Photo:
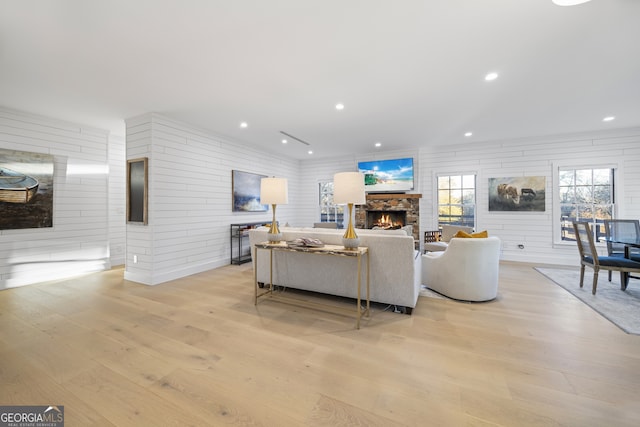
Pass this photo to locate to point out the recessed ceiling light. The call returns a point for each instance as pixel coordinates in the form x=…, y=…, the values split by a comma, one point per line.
x=284, y=141
x=468, y=134
x=491, y=76
x=310, y=152
x=378, y=144
x=569, y=2
x=243, y=125
x=608, y=119
x=339, y=107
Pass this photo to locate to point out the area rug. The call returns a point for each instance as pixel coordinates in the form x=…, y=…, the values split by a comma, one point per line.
x=622, y=308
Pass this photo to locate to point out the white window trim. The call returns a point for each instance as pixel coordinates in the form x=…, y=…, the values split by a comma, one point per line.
x=319, y=205
x=434, y=181
x=555, y=175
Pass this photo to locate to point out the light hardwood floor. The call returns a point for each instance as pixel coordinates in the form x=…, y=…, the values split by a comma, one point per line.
x=196, y=351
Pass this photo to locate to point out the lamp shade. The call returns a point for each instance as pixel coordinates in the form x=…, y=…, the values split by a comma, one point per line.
x=348, y=187
x=274, y=191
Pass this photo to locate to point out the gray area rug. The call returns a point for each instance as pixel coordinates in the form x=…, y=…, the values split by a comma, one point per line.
x=620, y=307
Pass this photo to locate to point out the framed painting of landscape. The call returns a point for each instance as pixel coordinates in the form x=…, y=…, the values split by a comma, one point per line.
x=26, y=190
x=245, y=189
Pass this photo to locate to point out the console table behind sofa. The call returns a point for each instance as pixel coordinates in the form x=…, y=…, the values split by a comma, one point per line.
x=395, y=266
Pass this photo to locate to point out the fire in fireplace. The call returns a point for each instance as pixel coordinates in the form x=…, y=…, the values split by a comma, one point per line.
x=387, y=220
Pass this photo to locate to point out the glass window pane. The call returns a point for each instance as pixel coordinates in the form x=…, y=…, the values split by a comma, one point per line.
x=468, y=181
x=584, y=212
x=468, y=196
x=584, y=194
x=601, y=176
x=583, y=177
x=443, y=182
x=455, y=182
x=443, y=197
x=456, y=210
x=568, y=212
x=567, y=195
x=456, y=196
x=469, y=214
x=566, y=178
x=604, y=211
x=602, y=194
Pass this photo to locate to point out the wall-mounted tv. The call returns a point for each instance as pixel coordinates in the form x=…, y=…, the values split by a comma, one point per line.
x=387, y=176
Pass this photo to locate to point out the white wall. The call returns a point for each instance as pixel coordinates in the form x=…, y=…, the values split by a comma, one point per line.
x=78, y=241
x=117, y=200
x=530, y=157
x=533, y=157
x=190, y=197
x=190, y=194
x=314, y=171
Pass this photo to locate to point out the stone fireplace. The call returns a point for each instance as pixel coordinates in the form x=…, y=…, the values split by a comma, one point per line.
x=397, y=208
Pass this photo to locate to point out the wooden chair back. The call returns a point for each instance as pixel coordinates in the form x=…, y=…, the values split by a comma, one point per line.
x=586, y=245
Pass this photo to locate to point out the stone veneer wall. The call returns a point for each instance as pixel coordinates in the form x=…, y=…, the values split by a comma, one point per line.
x=392, y=202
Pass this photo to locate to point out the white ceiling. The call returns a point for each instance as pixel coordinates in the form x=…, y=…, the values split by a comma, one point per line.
x=409, y=72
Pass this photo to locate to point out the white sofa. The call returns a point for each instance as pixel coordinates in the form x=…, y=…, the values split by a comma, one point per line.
x=467, y=270
x=395, y=273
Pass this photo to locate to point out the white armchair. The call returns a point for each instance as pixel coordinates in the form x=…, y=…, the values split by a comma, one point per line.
x=467, y=270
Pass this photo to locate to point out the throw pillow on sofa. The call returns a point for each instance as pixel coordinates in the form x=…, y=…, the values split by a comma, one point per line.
x=480, y=235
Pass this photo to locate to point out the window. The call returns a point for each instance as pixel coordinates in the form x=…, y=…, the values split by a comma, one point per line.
x=329, y=211
x=585, y=195
x=457, y=200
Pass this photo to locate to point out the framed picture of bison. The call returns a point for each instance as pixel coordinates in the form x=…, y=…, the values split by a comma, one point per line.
x=520, y=193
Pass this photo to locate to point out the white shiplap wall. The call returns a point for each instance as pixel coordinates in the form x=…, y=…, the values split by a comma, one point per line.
x=190, y=197
x=533, y=157
x=313, y=172
x=117, y=200
x=78, y=241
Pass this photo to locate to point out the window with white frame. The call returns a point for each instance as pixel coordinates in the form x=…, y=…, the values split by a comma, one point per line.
x=585, y=194
x=457, y=200
x=329, y=211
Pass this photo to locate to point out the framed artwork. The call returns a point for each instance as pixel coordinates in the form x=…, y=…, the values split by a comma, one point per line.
x=26, y=190
x=245, y=189
x=522, y=193
x=137, y=190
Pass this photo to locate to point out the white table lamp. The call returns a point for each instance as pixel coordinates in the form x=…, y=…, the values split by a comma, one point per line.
x=348, y=188
x=274, y=191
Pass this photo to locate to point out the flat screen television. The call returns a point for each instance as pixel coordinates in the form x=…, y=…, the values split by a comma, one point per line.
x=387, y=176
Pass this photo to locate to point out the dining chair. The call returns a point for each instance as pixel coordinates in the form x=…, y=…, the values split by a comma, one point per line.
x=589, y=258
x=623, y=229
